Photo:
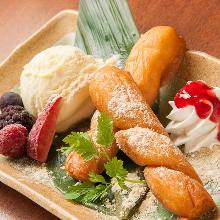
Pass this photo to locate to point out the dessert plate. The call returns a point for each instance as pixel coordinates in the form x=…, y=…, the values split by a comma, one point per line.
x=31, y=179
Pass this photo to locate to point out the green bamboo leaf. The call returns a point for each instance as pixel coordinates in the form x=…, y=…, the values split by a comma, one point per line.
x=164, y=213
x=106, y=28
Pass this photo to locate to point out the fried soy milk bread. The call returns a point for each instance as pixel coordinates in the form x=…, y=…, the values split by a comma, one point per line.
x=114, y=91
x=154, y=60
x=78, y=167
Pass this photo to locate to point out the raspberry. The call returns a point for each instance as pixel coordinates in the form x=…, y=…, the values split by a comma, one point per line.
x=16, y=115
x=13, y=140
x=10, y=98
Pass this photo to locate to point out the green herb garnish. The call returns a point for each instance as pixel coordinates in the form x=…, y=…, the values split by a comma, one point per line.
x=85, y=192
x=96, y=193
x=81, y=143
x=105, y=130
x=78, y=191
x=114, y=168
x=96, y=178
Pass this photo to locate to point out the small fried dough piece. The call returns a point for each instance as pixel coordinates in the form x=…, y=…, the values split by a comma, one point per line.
x=114, y=91
x=154, y=59
x=148, y=148
x=78, y=167
x=184, y=196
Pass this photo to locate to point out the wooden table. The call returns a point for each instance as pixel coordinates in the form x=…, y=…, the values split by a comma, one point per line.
x=196, y=20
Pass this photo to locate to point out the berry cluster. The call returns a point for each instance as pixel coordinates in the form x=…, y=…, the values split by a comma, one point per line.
x=20, y=134
x=15, y=123
x=16, y=115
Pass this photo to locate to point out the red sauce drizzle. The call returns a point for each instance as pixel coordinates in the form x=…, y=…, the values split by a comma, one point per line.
x=203, y=98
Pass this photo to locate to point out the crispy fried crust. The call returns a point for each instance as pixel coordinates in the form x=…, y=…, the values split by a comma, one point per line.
x=79, y=168
x=148, y=148
x=171, y=178
x=154, y=59
x=169, y=175
x=115, y=92
x=178, y=192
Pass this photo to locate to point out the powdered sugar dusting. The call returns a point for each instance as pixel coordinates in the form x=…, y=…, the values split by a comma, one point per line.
x=207, y=164
x=128, y=103
x=147, y=209
x=143, y=139
x=130, y=196
x=125, y=102
x=167, y=175
x=33, y=171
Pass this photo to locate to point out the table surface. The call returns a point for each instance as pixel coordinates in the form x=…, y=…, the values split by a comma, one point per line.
x=197, y=21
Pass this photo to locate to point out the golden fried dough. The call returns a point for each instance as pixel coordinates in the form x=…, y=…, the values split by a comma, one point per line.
x=172, y=179
x=148, y=148
x=154, y=59
x=79, y=168
x=114, y=91
x=178, y=192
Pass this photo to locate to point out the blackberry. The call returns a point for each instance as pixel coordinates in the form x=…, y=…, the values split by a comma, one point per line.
x=15, y=114
x=10, y=98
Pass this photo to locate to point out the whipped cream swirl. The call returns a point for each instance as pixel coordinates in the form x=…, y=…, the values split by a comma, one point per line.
x=187, y=128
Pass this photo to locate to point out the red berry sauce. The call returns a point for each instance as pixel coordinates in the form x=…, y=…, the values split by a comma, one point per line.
x=203, y=98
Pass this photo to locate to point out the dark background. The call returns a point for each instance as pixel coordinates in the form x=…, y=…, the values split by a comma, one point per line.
x=197, y=20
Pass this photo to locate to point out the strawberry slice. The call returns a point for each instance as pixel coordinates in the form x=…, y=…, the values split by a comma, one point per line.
x=41, y=135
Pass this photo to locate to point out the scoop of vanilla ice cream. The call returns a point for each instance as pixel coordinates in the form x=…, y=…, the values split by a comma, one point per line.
x=64, y=71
